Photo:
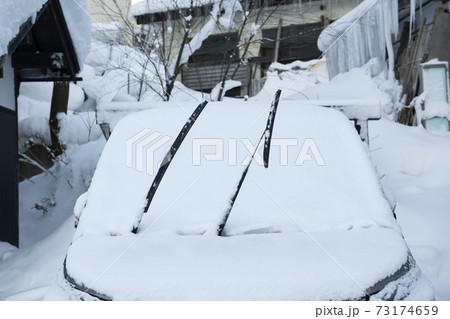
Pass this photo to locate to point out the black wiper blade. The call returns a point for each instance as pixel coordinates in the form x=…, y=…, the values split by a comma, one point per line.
x=269, y=128
x=169, y=156
x=267, y=136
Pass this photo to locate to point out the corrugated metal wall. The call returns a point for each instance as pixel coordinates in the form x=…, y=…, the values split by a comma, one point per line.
x=204, y=78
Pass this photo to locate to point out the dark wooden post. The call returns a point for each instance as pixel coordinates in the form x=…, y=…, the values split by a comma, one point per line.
x=9, y=215
x=277, y=42
x=60, y=99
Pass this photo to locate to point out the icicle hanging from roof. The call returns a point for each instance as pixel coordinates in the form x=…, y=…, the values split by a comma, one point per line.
x=362, y=34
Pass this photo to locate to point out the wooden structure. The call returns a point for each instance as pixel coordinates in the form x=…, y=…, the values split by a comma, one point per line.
x=429, y=41
x=42, y=50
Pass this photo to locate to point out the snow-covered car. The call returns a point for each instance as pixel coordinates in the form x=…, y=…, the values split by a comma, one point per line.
x=314, y=225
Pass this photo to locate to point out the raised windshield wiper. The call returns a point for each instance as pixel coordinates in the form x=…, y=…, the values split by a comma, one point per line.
x=169, y=156
x=266, y=136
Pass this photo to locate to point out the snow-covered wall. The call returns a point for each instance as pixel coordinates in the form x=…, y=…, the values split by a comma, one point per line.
x=7, y=98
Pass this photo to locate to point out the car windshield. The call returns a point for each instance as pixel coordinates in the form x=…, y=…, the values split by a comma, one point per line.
x=319, y=175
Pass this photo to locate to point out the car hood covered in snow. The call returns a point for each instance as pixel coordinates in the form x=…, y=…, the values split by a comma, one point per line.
x=314, y=225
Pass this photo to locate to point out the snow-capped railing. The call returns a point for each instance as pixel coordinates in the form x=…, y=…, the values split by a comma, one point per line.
x=360, y=111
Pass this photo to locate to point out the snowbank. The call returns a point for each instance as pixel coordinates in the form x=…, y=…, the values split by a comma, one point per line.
x=114, y=72
x=358, y=83
x=35, y=99
x=414, y=164
x=75, y=129
x=28, y=272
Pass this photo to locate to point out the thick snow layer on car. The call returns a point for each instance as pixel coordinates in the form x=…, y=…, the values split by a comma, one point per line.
x=344, y=193
x=249, y=267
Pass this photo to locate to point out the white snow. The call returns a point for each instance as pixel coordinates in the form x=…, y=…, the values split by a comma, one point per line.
x=79, y=24
x=261, y=239
x=75, y=129
x=153, y=6
x=413, y=163
x=112, y=206
x=28, y=272
x=360, y=35
x=117, y=71
x=264, y=265
x=35, y=99
x=292, y=78
x=436, y=109
x=247, y=267
x=421, y=208
x=229, y=84
x=369, y=86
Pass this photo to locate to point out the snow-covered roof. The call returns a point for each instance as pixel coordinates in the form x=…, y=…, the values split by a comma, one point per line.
x=78, y=22
x=153, y=6
x=12, y=16
x=15, y=13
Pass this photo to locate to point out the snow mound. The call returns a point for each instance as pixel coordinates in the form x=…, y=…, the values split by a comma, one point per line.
x=357, y=83
x=292, y=78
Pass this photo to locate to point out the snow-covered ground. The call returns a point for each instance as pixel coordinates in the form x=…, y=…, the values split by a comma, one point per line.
x=26, y=273
x=414, y=164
